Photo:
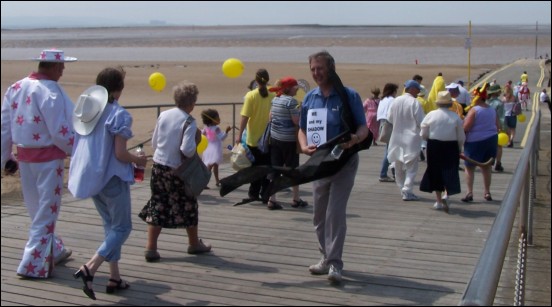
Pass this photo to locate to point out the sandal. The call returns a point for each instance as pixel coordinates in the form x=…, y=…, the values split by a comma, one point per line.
x=152, y=255
x=272, y=205
x=85, y=278
x=120, y=285
x=488, y=196
x=467, y=198
x=299, y=203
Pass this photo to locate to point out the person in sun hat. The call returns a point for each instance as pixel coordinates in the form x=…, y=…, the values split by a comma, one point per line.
x=36, y=120
x=284, y=123
x=103, y=128
x=444, y=132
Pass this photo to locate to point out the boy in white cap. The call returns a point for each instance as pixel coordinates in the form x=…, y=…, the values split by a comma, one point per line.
x=36, y=118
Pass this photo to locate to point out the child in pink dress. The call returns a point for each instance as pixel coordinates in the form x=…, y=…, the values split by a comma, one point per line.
x=370, y=110
x=212, y=156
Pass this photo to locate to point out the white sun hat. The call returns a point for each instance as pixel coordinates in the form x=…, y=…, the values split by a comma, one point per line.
x=89, y=109
x=54, y=56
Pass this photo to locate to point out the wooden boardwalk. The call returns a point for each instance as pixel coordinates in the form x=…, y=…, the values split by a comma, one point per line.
x=396, y=252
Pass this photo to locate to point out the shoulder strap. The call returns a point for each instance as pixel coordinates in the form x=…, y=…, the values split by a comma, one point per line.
x=187, y=123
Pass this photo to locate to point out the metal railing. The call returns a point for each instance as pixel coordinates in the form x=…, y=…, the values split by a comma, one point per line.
x=168, y=106
x=481, y=289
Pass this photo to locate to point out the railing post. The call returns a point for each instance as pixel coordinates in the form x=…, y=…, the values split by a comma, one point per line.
x=233, y=122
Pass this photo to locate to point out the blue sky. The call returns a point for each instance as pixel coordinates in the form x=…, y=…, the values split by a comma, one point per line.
x=116, y=13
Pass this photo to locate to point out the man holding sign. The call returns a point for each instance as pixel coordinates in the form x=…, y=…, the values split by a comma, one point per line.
x=327, y=112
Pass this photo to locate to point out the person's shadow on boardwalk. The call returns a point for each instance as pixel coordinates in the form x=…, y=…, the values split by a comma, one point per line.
x=376, y=288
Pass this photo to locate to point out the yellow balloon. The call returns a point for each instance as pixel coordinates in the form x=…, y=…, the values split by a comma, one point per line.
x=232, y=68
x=202, y=144
x=521, y=118
x=157, y=81
x=503, y=139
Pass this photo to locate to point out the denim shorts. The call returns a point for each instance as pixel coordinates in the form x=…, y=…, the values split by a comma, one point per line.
x=481, y=151
x=510, y=121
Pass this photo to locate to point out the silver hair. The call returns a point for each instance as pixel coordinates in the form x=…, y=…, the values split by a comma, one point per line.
x=185, y=94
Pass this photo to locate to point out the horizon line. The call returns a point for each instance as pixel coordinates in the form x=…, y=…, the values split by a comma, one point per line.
x=149, y=25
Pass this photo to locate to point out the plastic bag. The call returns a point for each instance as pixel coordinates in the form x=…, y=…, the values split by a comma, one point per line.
x=239, y=158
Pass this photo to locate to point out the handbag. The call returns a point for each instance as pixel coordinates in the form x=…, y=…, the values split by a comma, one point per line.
x=264, y=141
x=385, y=132
x=192, y=171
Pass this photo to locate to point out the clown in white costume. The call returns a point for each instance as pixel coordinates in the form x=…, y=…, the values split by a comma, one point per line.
x=36, y=118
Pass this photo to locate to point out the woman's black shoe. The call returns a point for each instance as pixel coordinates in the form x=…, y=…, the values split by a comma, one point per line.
x=86, y=278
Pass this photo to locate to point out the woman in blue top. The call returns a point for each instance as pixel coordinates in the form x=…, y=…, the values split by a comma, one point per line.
x=321, y=120
x=101, y=168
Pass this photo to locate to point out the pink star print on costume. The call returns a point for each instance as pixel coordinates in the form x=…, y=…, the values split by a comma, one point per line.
x=36, y=254
x=16, y=86
x=50, y=228
x=64, y=130
x=42, y=272
x=54, y=208
x=30, y=268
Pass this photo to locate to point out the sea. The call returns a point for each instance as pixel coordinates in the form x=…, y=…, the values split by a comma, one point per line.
x=290, y=44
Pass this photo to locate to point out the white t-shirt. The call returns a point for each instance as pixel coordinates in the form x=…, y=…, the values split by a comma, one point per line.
x=383, y=107
x=544, y=97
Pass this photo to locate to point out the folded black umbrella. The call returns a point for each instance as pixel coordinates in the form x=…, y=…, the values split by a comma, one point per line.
x=320, y=165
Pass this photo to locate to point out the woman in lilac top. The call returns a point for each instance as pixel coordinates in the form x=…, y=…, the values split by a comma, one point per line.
x=481, y=127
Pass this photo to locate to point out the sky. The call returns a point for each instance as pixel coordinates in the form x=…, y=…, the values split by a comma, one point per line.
x=32, y=14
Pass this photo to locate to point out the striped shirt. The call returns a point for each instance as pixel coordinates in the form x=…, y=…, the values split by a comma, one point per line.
x=284, y=109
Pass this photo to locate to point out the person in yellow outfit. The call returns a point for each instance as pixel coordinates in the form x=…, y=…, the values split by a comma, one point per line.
x=428, y=107
x=524, y=77
x=438, y=86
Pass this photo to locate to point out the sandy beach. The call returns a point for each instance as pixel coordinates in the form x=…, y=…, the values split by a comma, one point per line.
x=215, y=87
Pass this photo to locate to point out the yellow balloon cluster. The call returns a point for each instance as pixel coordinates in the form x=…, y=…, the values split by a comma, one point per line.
x=232, y=68
x=503, y=139
x=157, y=81
x=202, y=144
